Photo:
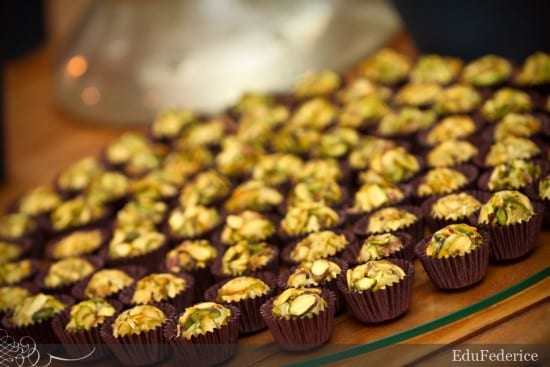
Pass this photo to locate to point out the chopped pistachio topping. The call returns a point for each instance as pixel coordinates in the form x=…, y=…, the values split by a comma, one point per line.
x=121, y=150
x=406, y=120
x=372, y=196
x=190, y=255
x=40, y=200
x=10, y=297
x=246, y=256
x=247, y=226
x=516, y=124
x=511, y=148
x=314, y=169
x=138, y=319
x=313, y=273
x=513, y=175
x=158, y=287
x=277, y=168
x=457, y=99
x=379, y=246
x=374, y=275
x=266, y=117
x=296, y=140
x=451, y=128
x=205, y=189
x=299, y=303
x=316, y=83
x=78, y=243
x=337, y=143
x=108, y=186
x=193, y=221
x=156, y=185
x=390, y=219
x=107, y=282
x=362, y=87
x=253, y=131
x=316, y=114
x=325, y=191
x=318, y=245
x=128, y=243
x=253, y=195
x=436, y=69
x=76, y=212
x=14, y=272
x=89, y=314
x=187, y=161
x=455, y=206
x=369, y=146
x=139, y=214
x=451, y=153
x=202, y=318
x=210, y=132
x=9, y=252
x=441, y=181
x=544, y=188
x=238, y=158
x=505, y=101
x=386, y=67
x=252, y=101
x=535, y=70
x=418, y=94
x=395, y=165
x=79, y=175
x=363, y=112
x=67, y=271
x=35, y=309
x=307, y=217
x=487, y=70
x=171, y=122
x=454, y=240
x=241, y=288
x=15, y=226
x=505, y=208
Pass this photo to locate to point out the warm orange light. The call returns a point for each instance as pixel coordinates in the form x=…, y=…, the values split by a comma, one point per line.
x=77, y=66
x=90, y=96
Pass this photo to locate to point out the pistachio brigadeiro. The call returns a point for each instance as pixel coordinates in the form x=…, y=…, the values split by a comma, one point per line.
x=241, y=288
x=208, y=133
x=243, y=257
x=108, y=186
x=156, y=185
x=513, y=175
x=440, y=181
x=337, y=143
x=253, y=195
x=76, y=212
x=15, y=226
x=295, y=139
x=316, y=83
x=141, y=214
x=318, y=245
x=535, y=70
x=9, y=252
x=89, y=314
x=544, y=188
x=504, y=101
x=298, y=303
x=78, y=243
x=369, y=146
x=276, y=168
x=517, y=124
x=40, y=200
x=133, y=243
x=14, y=272
x=395, y=165
x=307, y=217
x=248, y=226
x=454, y=240
x=362, y=112
x=325, y=168
x=374, y=275
x=202, y=318
x=457, y=99
x=192, y=221
x=405, y=121
x=451, y=153
x=326, y=191
x=313, y=273
x=487, y=71
x=455, y=206
x=316, y=113
x=361, y=87
x=379, y=246
x=158, y=287
x=436, y=69
x=386, y=67
x=206, y=188
x=390, y=219
x=190, y=255
x=372, y=196
x=187, y=161
x=418, y=94
x=510, y=148
x=79, y=175
x=67, y=271
x=505, y=208
x=137, y=320
x=238, y=158
x=35, y=309
x=451, y=128
x=170, y=123
x=107, y=282
x=12, y=296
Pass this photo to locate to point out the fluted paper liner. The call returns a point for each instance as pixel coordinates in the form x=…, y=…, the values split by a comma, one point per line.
x=85, y=342
x=210, y=349
x=300, y=334
x=140, y=349
x=383, y=304
x=456, y=272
